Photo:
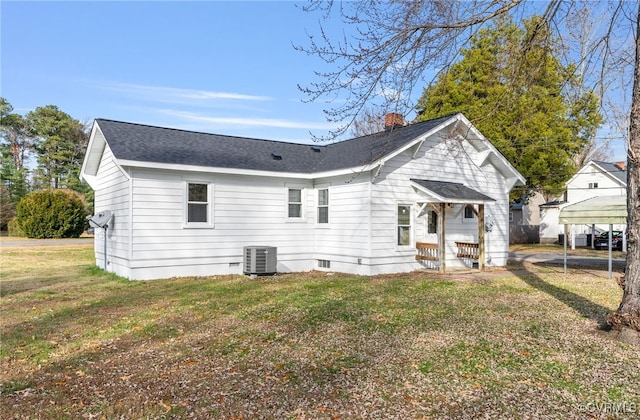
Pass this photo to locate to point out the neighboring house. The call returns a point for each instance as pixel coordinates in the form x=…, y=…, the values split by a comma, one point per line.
x=595, y=179
x=524, y=220
x=187, y=203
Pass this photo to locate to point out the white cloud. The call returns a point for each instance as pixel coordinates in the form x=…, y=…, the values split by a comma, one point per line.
x=245, y=121
x=175, y=95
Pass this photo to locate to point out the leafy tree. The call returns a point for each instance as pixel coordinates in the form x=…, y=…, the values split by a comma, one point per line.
x=396, y=45
x=520, y=99
x=60, y=145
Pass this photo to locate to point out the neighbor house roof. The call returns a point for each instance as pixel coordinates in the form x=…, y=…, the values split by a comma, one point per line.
x=614, y=170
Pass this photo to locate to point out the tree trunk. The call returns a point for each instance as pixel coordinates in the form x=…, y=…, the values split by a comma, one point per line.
x=628, y=314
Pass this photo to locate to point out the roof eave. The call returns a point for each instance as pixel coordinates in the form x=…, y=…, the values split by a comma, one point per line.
x=93, y=155
x=437, y=198
x=237, y=171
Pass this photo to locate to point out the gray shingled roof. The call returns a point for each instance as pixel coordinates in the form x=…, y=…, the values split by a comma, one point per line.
x=136, y=142
x=452, y=191
x=620, y=174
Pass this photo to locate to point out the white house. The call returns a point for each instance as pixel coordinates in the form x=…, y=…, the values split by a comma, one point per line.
x=595, y=179
x=432, y=194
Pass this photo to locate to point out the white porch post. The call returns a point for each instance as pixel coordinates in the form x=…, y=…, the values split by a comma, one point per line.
x=441, y=239
x=481, y=250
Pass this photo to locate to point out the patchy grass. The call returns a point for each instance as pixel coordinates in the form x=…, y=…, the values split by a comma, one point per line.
x=516, y=343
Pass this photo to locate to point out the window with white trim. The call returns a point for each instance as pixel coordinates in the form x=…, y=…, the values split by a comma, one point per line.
x=295, y=203
x=593, y=185
x=323, y=205
x=198, y=204
x=468, y=212
x=404, y=225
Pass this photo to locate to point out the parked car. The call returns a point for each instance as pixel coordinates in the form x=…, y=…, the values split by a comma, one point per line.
x=602, y=240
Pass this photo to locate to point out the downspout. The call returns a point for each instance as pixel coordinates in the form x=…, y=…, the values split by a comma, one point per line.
x=130, y=218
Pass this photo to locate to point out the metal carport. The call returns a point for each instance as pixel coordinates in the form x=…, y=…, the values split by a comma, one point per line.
x=596, y=210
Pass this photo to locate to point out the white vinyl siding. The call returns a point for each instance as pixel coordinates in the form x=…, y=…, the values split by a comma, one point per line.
x=112, y=192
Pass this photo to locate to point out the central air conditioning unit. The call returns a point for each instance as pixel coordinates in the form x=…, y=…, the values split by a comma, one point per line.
x=260, y=259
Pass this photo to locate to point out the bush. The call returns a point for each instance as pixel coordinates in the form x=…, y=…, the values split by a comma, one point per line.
x=14, y=229
x=52, y=214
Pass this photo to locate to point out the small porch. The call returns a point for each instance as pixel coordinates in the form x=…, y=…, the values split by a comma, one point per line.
x=440, y=196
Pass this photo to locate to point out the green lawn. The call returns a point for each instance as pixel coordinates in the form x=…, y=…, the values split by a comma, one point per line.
x=516, y=343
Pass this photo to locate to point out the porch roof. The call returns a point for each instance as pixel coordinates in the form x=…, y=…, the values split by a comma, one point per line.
x=604, y=209
x=449, y=192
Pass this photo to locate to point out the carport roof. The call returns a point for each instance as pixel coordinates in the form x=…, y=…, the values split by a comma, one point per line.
x=603, y=209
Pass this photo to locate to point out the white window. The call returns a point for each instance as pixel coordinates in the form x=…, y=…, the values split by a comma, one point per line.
x=323, y=205
x=198, y=204
x=593, y=185
x=295, y=203
x=468, y=212
x=404, y=225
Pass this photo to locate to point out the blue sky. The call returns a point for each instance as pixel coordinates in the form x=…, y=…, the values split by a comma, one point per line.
x=212, y=66
x=222, y=67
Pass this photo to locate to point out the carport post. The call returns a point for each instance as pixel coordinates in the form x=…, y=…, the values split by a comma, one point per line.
x=565, y=248
x=610, y=240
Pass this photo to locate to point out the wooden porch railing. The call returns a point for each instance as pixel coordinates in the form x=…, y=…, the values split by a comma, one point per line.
x=426, y=251
x=468, y=250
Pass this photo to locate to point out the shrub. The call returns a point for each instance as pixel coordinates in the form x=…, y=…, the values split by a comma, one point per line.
x=14, y=229
x=52, y=214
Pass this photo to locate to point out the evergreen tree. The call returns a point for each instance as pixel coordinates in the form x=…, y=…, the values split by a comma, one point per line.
x=16, y=143
x=60, y=145
x=522, y=99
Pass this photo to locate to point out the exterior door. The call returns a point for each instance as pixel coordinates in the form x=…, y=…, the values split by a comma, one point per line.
x=429, y=226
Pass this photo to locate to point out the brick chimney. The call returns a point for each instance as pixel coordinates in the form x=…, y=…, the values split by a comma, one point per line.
x=393, y=119
x=620, y=165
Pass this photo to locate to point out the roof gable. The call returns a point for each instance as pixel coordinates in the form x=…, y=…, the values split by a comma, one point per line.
x=612, y=170
x=606, y=168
